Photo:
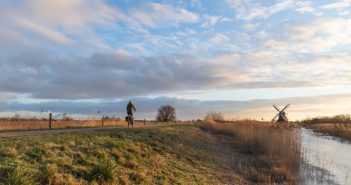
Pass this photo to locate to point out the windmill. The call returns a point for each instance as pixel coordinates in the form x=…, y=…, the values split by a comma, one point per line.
x=281, y=114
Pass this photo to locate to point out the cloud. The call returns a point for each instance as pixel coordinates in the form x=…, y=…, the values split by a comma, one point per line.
x=104, y=75
x=68, y=23
x=307, y=7
x=321, y=35
x=220, y=39
x=340, y=5
x=4, y=96
x=121, y=74
x=213, y=20
x=249, y=10
x=156, y=15
x=41, y=30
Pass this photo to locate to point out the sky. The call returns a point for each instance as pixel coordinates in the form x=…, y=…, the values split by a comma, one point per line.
x=233, y=56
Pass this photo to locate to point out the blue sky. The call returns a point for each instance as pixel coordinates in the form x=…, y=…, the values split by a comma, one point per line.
x=230, y=50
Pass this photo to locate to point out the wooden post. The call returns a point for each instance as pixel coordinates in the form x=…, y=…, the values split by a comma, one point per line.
x=50, y=120
x=102, y=121
x=144, y=122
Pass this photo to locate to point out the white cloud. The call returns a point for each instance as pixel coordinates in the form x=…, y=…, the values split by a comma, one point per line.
x=42, y=30
x=249, y=9
x=64, y=22
x=210, y=20
x=4, y=96
x=322, y=35
x=307, y=7
x=251, y=26
x=156, y=15
x=220, y=39
x=339, y=5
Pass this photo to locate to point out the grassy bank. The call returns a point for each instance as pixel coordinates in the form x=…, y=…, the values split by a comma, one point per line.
x=272, y=152
x=181, y=154
x=166, y=155
x=342, y=130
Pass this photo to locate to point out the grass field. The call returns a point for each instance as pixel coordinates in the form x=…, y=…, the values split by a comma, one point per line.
x=181, y=154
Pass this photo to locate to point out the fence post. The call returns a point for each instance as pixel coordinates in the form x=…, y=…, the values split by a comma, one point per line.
x=102, y=121
x=50, y=120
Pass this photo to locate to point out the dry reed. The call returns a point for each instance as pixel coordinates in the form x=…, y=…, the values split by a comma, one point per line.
x=342, y=130
x=35, y=124
x=272, y=151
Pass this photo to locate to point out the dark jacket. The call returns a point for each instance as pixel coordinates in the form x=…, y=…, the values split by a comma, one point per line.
x=130, y=108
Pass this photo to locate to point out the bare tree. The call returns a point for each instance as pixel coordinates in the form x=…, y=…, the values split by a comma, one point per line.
x=214, y=116
x=166, y=113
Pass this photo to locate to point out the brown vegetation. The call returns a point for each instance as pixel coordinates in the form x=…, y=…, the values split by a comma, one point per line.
x=214, y=116
x=342, y=118
x=342, y=130
x=35, y=124
x=270, y=152
x=339, y=125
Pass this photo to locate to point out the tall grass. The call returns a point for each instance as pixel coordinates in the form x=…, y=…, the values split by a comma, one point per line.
x=337, y=119
x=33, y=124
x=274, y=149
x=342, y=130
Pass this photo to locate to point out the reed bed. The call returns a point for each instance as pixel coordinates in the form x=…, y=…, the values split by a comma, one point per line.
x=342, y=130
x=272, y=152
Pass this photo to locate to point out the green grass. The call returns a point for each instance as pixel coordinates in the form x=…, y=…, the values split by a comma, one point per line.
x=163, y=155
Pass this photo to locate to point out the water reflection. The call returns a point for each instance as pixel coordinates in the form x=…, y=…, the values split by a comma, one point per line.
x=326, y=159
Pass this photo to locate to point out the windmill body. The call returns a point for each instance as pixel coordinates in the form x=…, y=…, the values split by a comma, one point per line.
x=281, y=115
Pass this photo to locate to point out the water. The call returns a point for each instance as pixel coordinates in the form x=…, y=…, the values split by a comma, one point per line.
x=326, y=159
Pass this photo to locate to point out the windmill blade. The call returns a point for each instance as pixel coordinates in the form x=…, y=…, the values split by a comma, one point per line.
x=276, y=108
x=286, y=107
x=275, y=117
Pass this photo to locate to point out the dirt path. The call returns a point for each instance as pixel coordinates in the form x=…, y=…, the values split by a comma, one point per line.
x=63, y=131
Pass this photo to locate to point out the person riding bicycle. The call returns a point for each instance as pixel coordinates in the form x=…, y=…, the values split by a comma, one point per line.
x=130, y=112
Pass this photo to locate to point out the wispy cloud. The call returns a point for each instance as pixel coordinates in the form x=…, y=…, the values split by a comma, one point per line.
x=307, y=7
x=156, y=15
x=43, y=31
x=248, y=9
x=337, y=5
